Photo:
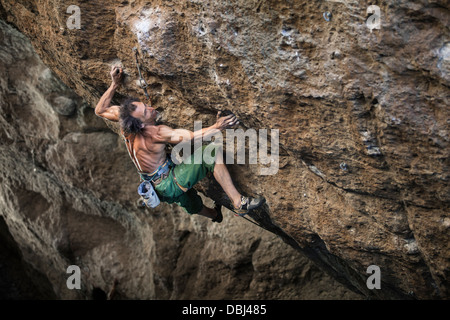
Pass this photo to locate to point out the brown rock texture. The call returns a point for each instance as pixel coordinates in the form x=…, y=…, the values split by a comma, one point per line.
x=362, y=116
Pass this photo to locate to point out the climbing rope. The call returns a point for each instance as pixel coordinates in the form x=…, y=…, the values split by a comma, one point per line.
x=142, y=83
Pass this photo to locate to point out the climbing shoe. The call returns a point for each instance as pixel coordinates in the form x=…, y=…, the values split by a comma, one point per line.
x=248, y=204
x=219, y=216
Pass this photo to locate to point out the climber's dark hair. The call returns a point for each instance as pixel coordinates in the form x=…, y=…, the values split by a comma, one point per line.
x=128, y=123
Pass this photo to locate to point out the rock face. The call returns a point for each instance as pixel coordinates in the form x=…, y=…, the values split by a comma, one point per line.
x=362, y=115
x=68, y=192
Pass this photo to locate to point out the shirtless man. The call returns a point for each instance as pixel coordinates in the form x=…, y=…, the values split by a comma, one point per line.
x=146, y=142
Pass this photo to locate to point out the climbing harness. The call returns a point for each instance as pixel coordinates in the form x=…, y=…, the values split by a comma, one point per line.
x=142, y=83
x=34, y=163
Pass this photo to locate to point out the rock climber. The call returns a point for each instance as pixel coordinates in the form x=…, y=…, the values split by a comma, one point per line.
x=146, y=142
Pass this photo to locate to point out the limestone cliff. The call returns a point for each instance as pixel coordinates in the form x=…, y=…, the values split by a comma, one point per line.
x=362, y=116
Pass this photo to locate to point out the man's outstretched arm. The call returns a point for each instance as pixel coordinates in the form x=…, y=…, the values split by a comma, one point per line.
x=104, y=108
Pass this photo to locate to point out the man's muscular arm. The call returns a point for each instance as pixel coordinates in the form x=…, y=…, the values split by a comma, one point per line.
x=104, y=108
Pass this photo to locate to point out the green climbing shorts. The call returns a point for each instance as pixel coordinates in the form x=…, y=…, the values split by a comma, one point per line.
x=187, y=175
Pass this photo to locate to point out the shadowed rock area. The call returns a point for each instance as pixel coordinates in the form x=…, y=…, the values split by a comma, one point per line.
x=362, y=175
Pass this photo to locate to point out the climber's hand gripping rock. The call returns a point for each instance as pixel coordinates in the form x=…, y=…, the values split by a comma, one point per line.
x=226, y=121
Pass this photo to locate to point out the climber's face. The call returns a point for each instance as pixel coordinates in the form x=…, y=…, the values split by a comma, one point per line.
x=144, y=112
